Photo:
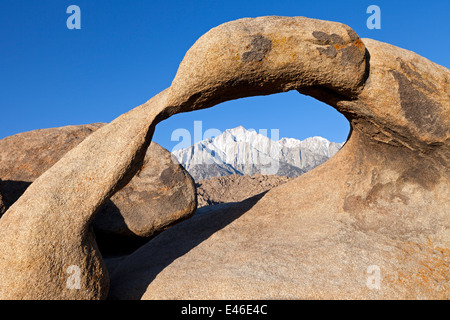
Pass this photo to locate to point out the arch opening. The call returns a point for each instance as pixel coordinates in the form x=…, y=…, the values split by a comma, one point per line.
x=249, y=145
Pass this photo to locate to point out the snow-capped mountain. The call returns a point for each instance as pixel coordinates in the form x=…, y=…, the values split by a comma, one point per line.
x=241, y=151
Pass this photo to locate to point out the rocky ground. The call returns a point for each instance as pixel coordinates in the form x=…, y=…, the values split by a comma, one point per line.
x=235, y=188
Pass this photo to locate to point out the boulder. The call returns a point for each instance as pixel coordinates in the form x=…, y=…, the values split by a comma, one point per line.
x=369, y=223
x=158, y=195
x=47, y=246
x=27, y=155
x=161, y=194
x=2, y=205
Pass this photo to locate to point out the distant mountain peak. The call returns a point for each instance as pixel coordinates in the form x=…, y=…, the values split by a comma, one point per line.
x=242, y=151
x=238, y=128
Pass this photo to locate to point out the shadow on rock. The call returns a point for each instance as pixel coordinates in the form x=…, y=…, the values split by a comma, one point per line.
x=130, y=279
x=12, y=190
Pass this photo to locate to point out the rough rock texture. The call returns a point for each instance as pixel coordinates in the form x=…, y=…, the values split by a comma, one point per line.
x=2, y=204
x=162, y=193
x=379, y=204
x=381, y=201
x=27, y=155
x=47, y=230
x=235, y=188
x=158, y=195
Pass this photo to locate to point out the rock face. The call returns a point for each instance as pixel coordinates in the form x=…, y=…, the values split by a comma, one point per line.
x=159, y=195
x=235, y=188
x=379, y=204
x=2, y=205
x=162, y=193
x=369, y=223
x=46, y=233
x=27, y=155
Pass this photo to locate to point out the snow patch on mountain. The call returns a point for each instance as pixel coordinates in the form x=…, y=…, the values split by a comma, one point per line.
x=242, y=151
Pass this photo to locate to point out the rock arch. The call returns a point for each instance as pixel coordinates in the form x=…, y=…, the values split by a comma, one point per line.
x=391, y=176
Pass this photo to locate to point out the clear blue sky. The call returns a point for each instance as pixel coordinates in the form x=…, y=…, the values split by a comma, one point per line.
x=128, y=51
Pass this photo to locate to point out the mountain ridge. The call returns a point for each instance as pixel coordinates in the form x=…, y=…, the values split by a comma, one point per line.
x=246, y=152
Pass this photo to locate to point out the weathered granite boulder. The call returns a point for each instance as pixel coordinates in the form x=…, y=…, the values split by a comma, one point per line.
x=378, y=205
x=161, y=194
x=27, y=155
x=158, y=195
x=46, y=235
x=371, y=223
x=2, y=204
